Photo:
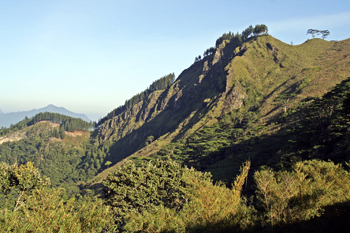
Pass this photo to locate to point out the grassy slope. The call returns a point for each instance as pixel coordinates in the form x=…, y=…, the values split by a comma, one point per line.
x=307, y=70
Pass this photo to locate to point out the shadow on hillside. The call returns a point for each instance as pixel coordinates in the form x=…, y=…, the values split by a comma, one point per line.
x=95, y=189
x=174, y=113
x=334, y=219
x=225, y=164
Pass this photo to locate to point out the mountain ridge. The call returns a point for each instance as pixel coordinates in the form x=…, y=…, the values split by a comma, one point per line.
x=218, y=107
x=262, y=76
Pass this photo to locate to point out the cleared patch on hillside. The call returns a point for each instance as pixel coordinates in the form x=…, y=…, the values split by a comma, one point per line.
x=16, y=136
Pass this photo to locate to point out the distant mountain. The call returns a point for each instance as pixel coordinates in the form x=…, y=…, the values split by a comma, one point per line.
x=6, y=119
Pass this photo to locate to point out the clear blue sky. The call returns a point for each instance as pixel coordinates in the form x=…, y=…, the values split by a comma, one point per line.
x=90, y=56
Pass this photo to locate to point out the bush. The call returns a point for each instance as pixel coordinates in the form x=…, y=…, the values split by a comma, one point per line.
x=31, y=207
x=135, y=189
x=211, y=208
x=301, y=194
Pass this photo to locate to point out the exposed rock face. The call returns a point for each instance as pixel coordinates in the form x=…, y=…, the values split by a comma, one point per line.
x=234, y=99
x=195, y=93
x=219, y=53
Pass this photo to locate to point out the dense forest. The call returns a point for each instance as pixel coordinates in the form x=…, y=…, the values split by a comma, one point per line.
x=253, y=137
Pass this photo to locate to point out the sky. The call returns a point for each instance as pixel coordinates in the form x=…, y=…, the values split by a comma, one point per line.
x=90, y=56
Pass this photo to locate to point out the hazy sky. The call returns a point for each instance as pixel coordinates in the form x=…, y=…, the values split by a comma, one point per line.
x=90, y=56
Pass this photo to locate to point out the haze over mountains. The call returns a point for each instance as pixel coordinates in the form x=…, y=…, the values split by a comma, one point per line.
x=6, y=119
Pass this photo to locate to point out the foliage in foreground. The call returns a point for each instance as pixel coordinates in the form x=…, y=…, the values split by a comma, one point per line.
x=165, y=197
x=211, y=208
x=301, y=194
x=48, y=211
x=134, y=189
x=284, y=198
x=30, y=207
x=17, y=184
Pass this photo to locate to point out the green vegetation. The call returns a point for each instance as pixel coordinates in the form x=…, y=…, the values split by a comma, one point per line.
x=68, y=123
x=280, y=110
x=165, y=197
x=257, y=30
x=48, y=147
x=208, y=207
x=302, y=193
x=56, y=159
x=36, y=208
x=134, y=189
x=20, y=125
x=323, y=131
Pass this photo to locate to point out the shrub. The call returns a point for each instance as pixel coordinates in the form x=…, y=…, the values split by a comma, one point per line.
x=135, y=189
x=211, y=208
x=301, y=194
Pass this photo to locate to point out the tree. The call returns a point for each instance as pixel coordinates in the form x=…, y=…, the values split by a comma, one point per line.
x=62, y=133
x=149, y=140
x=32, y=207
x=247, y=32
x=260, y=29
x=346, y=105
x=55, y=133
x=135, y=189
x=17, y=183
x=209, y=52
x=324, y=33
x=302, y=193
x=108, y=163
x=211, y=208
x=283, y=100
x=314, y=32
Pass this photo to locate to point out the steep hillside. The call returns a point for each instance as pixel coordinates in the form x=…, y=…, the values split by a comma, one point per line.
x=240, y=101
x=247, y=86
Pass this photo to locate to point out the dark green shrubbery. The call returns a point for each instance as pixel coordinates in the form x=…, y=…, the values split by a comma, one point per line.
x=165, y=197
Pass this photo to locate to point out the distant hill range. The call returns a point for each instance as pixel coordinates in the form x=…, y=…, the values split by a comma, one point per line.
x=6, y=119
